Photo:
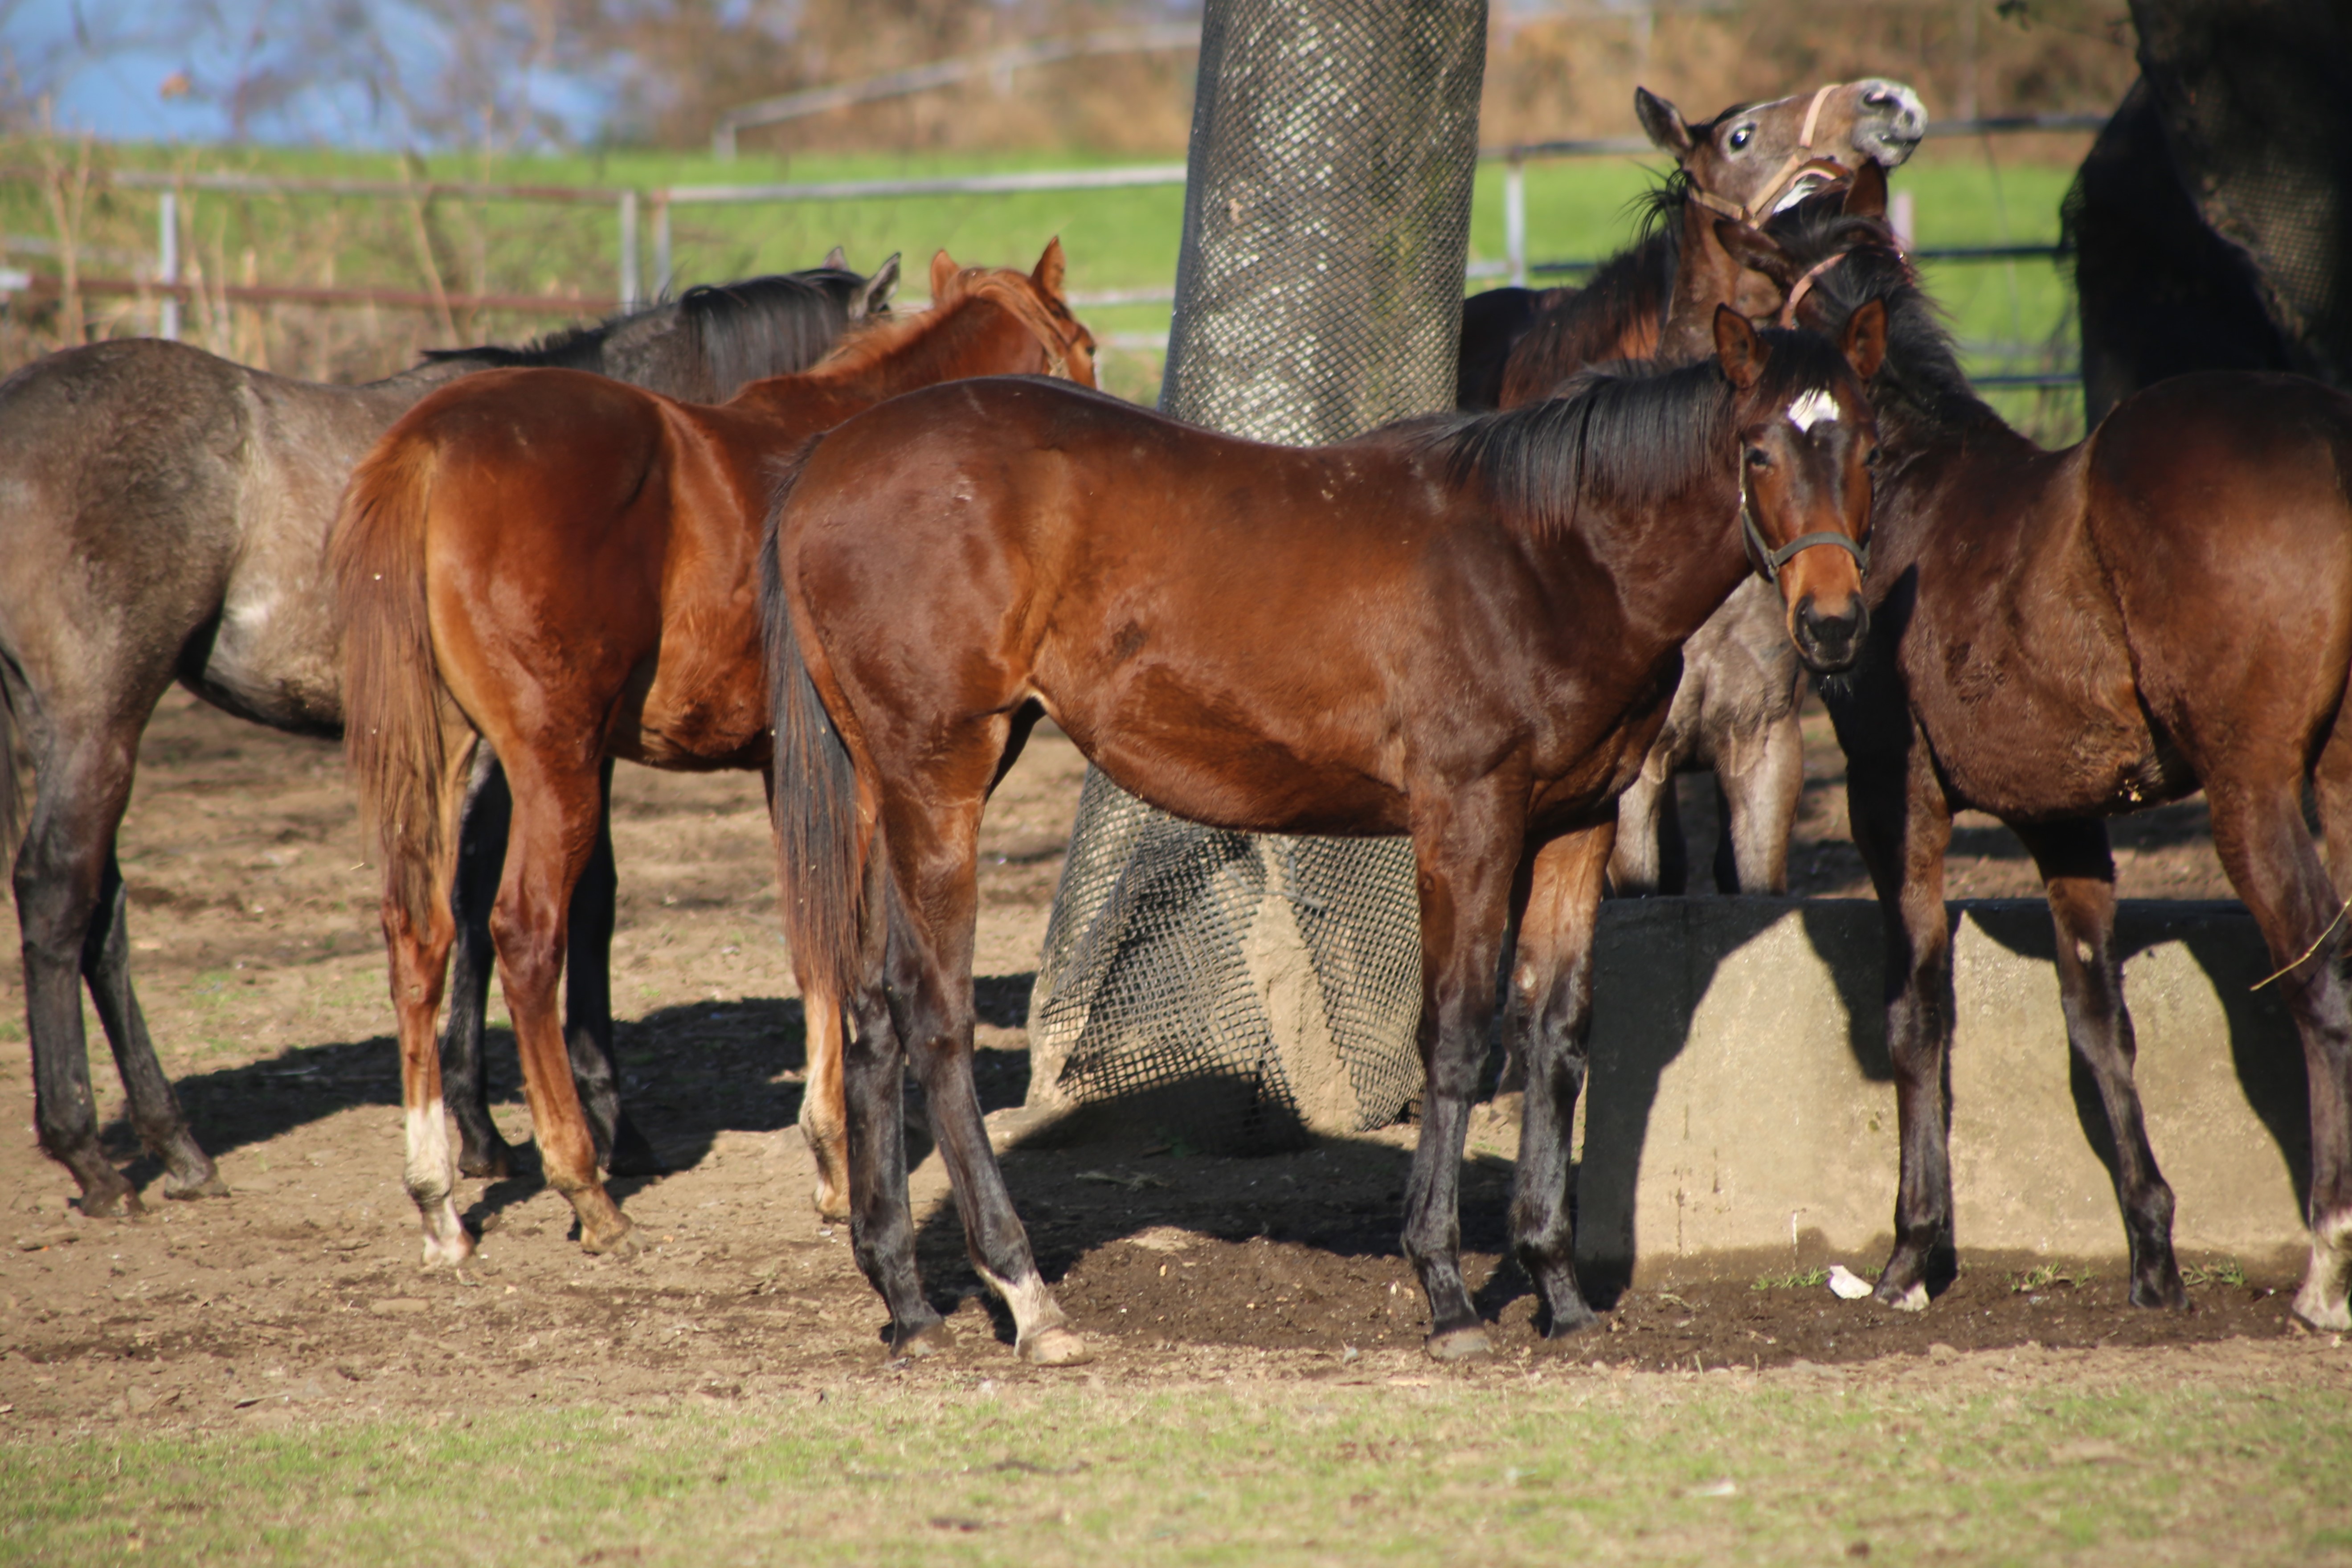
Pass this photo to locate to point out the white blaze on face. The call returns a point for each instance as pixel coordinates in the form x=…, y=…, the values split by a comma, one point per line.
x=1816, y=407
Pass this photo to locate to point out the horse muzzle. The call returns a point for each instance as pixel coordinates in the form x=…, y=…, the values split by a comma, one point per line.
x=1830, y=642
x=1890, y=121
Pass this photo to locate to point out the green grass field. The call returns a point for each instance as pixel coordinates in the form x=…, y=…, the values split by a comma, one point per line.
x=2009, y=315
x=1653, y=1468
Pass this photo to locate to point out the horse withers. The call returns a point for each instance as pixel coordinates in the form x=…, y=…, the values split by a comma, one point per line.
x=2065, y=636
x=168, y=511
x=1459, y=629
x=561, y=567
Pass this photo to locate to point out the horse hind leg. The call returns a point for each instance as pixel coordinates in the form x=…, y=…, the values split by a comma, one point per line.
x=1651, y=857
x=550, y=839
x=621, y=1148
x=823, y=1116
x=1760, y=792
x=2265, y=847
x=482, y=1149
x=2079, y=876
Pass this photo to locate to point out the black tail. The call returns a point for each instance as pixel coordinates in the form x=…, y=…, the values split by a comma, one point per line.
x=819, y=866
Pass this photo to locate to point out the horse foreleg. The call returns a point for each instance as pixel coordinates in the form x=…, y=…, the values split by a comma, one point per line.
x=1902, y=823
x=1650, y=856
x=482, y=821
x=1465, y=851
x=621, y=1148
x=2260, y=839
x=1551, y=985
x=2079, y=874
x=1760, y=785
x=79, y=795
x=155, y=1112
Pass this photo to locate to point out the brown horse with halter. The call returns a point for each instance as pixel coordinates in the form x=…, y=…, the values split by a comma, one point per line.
x=1461, y=629
x=561, y=566
x=2063, y=636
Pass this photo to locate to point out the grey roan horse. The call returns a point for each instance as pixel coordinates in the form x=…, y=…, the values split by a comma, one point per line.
x=162, y=513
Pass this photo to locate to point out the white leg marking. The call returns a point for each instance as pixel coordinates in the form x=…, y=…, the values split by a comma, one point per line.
x=1043, y=1334
x=2321, y=1302
x=432, y=1180
x=1915, y=1300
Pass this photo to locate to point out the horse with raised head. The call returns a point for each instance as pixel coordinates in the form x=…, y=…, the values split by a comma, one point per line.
x=1735, y=712
x=561, y=567
x=2060, y=638
x=164, y=521
x=1461, y=629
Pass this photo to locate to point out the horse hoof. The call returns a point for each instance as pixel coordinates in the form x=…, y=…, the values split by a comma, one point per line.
x=1565, y=1327
x=1912, y=1298
x=2313, y=1308
x=626, y=1242
x=1054, y=1347
x=489, y=1165
x=1460, y=1344
x=209, y=1186
x=930, y=1340
x=120, y=1201
x=449, y=1252
x=638, y=1162
x=2168, y=1295
x=832, y=1207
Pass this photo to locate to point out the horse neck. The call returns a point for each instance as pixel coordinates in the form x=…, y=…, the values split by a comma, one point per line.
x=973, y=336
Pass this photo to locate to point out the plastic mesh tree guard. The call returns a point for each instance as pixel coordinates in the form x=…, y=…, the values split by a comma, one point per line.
x=1239, y=990
x=2212, y=220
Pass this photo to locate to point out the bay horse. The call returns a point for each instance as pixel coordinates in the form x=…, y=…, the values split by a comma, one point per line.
x=2060, y=638
x=166, y=521
x=1751, y=160
x=561, y=567
x=1459, y=628
x=1734, y=711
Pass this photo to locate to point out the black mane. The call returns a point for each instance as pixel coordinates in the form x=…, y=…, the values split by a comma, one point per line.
x=741, y=331
x=1634, y=434
x=1921, y=380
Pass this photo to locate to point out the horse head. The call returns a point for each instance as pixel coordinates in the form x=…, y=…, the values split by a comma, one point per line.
x=1755, y=158
x=1808, y=441
x=1036, y=297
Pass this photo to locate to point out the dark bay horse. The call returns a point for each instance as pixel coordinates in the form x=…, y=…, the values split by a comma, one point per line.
x=1460, y=628
x=165, y=513
x=2063, y=636
x=562, y=567
x=1735, y=712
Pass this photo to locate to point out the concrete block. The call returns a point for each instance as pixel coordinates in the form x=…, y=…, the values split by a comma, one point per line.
x=1741, y=1109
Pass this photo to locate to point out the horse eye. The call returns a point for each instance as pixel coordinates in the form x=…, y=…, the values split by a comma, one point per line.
x=1870, y=458
x=1741, y=137
x=1758, y=459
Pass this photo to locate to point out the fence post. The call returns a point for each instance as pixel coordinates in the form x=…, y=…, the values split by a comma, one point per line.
x=663, y=271
x=1515, y=218
x=167, y=267
x=628, y=250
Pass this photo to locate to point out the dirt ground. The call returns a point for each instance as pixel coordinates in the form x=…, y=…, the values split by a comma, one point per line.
x=262, y=974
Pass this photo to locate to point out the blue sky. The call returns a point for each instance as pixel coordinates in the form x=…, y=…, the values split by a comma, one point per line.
x=347, y=72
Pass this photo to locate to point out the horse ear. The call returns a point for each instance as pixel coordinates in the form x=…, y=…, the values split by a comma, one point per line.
x=836, y=258
x=1865, y=339
x=1050, y=268
x=1755, y=250
x=1738, y=348
x=875, y=298
x=1867, y=197
x=1663, y=122
x=944, y=271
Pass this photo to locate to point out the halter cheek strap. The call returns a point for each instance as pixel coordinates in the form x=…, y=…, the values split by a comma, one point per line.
x=1767, y=561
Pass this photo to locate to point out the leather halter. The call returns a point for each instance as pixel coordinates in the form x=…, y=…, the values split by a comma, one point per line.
x=1767, y=561
x=1804, y=286
x=1782, y=176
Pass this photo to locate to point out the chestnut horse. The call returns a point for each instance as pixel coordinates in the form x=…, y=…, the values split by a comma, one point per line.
x=1462, y=629
x=2065, y=637
x=561, y=566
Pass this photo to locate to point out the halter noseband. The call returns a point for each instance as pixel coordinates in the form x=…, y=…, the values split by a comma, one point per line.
x=1782, y=177
x=1767, y=561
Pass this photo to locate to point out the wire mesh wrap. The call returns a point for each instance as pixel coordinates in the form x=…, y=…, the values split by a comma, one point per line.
x=1237, y=991
x=2212, y=220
